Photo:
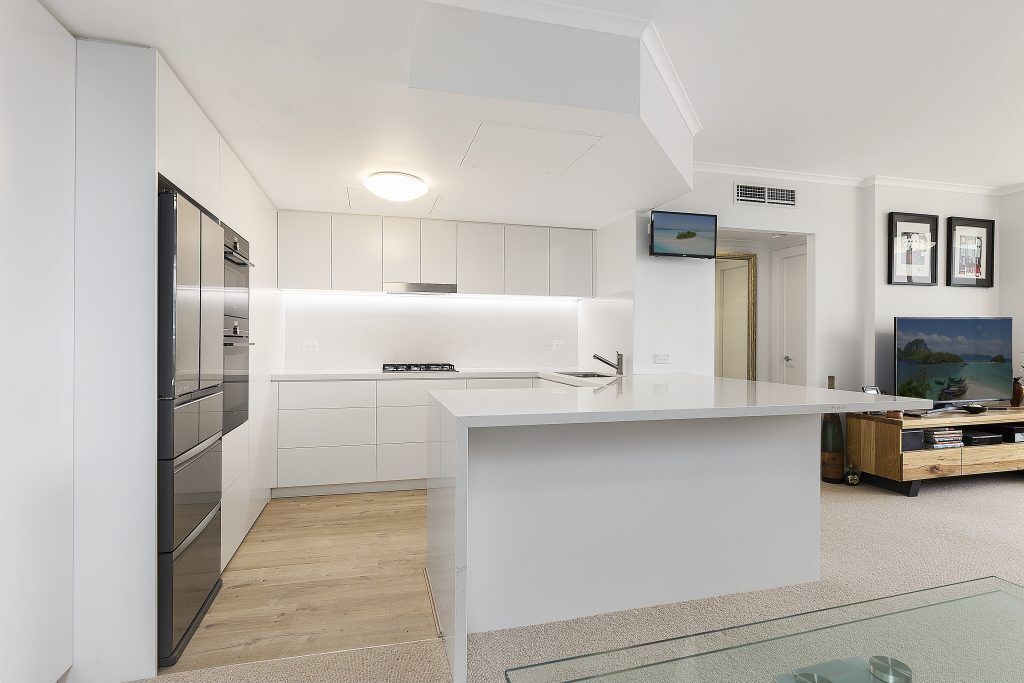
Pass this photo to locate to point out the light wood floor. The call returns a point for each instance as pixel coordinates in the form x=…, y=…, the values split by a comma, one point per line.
x=321, y=574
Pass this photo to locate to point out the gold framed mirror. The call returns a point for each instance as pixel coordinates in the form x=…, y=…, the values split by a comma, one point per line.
x=736, y=315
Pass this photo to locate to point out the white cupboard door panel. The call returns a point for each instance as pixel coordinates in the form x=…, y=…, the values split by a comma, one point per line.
x=401, y=250
x=326, y=465
x=572, y=262
x=481, y=258
x=438, y=247
x=234, y=522
x=357, y=253
x=303, y=395
x=235, y=454
x=304, y=250
x=175, y=140
x=413, y=392
x=526, y=260
x=207, y=158
x=500, y=383
x=401, y=461
x=407, y=424
x=326, y=427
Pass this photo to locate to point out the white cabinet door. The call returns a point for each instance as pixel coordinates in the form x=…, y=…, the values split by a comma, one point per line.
x=500, y=383
x=234, y=454
x=438, y=246
x=326, y=427
x=175, y=141
x=526, y=260
x=397, y=461
x=402, y=425
x=413, y=392
x=401, y=250
x=572, y=262
x=481, y=258
x=303, y=395
x=207, y=159
x=303, y=250
x=357, y=253
x=326, y=465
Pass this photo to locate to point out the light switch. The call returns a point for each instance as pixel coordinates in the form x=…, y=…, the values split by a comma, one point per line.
x=310, y=345
x=661, y=359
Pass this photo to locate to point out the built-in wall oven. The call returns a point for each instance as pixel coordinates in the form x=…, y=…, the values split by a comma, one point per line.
x=236, y=329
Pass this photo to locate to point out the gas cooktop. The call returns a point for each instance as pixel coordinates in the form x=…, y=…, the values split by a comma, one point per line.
x=419, y=367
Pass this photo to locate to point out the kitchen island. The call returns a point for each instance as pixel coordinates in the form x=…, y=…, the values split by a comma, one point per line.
x=553, y=503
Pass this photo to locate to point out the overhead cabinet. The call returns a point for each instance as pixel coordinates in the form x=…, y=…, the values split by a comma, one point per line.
x=481, y=258
x=527, y=262
x=438, y=247
x=303, y=250
x=357, y=252
x=572, y=262
x=401, y=250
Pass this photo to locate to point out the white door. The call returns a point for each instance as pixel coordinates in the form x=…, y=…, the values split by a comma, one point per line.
x=790, y=349
x=732, y=292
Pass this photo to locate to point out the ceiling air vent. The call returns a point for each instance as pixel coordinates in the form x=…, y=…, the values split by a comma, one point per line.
x=759, y=194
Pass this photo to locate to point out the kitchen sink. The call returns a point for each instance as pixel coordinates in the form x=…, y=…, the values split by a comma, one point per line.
x=585, y=374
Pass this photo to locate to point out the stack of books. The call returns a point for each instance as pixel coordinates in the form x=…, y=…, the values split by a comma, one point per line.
x=943, y=437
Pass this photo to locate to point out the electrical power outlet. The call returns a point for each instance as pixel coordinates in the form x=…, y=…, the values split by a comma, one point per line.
x=310, y=345
x=558, y=345
x=661, y=359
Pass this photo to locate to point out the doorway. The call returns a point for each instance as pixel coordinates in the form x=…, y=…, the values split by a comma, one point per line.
x=736, y=315
x=790, y=347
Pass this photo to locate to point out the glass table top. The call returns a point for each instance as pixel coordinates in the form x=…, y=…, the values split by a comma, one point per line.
x=971, y=631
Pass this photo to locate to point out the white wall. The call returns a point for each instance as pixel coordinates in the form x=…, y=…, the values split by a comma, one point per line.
x=365, y=330
x=37, y=204
x=115, y=364
x=891, y=301
x=1010, y=252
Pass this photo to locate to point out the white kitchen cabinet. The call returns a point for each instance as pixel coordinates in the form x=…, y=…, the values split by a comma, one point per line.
x=481, y=258
x=406, y=424
x=234, y=454
x=438, y=247
x=303, y=250
x=572, y=262
x=326, y=465
x=207, y=164
x=401, y=249
x=326, y=427
x=397, y=461
x=357, y=252
x=500, y=383
x=541, y=383
x=305, y=395
x=526, y=260
x=175, y=141
x=413, y=392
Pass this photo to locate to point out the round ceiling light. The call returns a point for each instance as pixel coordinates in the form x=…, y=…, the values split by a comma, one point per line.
x=394, y=186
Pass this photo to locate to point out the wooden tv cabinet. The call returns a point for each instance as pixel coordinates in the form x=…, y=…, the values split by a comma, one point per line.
x=874, y=447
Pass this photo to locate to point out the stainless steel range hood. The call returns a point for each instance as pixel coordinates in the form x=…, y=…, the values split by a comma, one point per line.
x=419, y=288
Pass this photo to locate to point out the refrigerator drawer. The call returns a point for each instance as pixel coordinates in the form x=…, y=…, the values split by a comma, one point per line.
x=190, y=423
x=189, y=489
x=189, y=579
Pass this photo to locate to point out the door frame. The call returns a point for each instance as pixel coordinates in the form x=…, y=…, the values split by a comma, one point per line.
x=777, y=312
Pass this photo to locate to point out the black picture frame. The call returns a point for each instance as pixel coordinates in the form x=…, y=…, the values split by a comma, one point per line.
x=929, y=224
x=964, y=236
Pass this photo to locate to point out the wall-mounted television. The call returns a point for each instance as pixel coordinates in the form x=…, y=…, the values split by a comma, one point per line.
x=693, y=235
x=954, y=360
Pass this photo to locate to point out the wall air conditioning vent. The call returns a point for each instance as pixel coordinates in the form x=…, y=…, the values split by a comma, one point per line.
x=759, y=194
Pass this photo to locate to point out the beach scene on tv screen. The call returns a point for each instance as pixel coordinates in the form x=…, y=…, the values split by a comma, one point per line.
x=683, y=234
x=956, y=359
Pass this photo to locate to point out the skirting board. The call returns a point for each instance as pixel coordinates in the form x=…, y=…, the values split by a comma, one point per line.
x=362, y=487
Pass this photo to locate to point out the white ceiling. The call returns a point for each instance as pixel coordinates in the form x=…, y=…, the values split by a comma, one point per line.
x=314, y=95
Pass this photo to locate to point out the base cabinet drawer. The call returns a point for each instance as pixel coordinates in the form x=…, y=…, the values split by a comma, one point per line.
x=413, y=392
x=326, y=427
x=501, y=383
x=1005, y=457
x=929, y=464
x=401, y=461
x=402, y=425
x=326, y=465
x=352, y=394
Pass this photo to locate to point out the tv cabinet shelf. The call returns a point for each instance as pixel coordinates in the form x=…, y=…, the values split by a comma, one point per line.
x=874, y=446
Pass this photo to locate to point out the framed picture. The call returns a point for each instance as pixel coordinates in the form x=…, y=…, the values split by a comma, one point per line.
x=970, y=251
x=913, y=249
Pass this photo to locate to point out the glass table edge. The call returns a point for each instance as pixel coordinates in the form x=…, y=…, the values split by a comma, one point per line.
x=796, y=615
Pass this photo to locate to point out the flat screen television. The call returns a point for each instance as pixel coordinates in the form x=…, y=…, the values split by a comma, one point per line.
x=954, y=360
x=694, y=235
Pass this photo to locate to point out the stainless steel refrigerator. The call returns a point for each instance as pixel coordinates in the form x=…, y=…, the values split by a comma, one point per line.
x=190, y=368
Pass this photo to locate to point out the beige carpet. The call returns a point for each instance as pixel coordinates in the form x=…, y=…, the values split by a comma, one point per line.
x=874, y=543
